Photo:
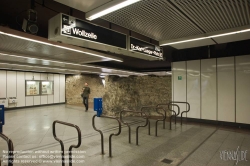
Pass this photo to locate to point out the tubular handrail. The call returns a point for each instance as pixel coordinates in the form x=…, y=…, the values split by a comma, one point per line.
x=163, y=119
x=174, y=113
x=10, y=149
x=61, y=142
x=182, y=102
x=144, y=107
x=110, y=136
x=137, y=128
x=170, y=125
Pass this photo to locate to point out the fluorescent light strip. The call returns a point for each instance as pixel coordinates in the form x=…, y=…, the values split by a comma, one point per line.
x=75, y=50
x=201, y=38
x=54, y=68
x=70, y=63
x=111, y=9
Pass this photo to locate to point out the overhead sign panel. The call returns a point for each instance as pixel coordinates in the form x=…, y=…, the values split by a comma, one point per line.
x=76, y=28
x=145, y=48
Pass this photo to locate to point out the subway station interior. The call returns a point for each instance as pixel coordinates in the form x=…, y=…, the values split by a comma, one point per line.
x=125, y=82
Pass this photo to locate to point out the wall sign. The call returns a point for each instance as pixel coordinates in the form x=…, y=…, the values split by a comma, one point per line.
x=179, y=77
x=74, y=27
x=145, y=48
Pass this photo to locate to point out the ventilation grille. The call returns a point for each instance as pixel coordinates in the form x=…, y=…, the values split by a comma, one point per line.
x=216, y=15
x=166, y=20
x=156, y=19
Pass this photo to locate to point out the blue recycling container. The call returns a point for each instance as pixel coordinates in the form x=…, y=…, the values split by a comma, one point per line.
x=1, y=118
x=98, y=106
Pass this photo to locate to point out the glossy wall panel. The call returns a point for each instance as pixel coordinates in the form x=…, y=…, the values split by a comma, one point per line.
x=44, y=76
x=226, y=89
x=37, y=99
x=56, y=88
x=20, y=89
x=193, y=89
x=243, y=89
x=62, y=88
x=208, y=89
x=51, y=97
x=179, y=83
x=11, y=84
x=3, y=78
x=29, y=100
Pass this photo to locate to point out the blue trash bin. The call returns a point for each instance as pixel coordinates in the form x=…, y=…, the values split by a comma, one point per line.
x=98, y=106
x=1, y=118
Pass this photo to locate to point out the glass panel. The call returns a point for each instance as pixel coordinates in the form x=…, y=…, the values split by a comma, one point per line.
x=47, y=87
x=32, y=88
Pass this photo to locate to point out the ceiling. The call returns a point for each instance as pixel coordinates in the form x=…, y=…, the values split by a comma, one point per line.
x=172, y=19
x=83, y=5
x=150, y=20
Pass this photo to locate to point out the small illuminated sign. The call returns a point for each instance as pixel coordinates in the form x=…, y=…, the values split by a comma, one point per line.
x=145, y=48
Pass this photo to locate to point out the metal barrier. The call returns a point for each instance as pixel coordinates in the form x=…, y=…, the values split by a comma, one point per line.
x=181, y=102
x=163, y=119
x=10, y=149
x=137, y=128
x=169, y=104
x=144, y=107
x=61, y=143
x=110, y=136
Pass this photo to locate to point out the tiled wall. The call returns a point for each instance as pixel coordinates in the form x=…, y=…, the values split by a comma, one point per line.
x=217, y=89
x=12, y=84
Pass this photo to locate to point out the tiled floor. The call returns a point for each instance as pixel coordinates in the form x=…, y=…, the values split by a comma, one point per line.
x=186, y=145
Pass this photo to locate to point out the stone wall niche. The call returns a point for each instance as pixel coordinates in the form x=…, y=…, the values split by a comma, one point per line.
x=133, y=92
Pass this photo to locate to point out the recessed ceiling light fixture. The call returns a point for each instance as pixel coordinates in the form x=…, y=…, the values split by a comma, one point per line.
x=54, y=45
x=108, y=8
x=75, y=64
x=207, y=37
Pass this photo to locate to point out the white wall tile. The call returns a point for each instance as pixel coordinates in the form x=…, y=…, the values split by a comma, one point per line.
x=51, y=97
x=62, y=88
x=11, y=84
x=3, y=86
x=44, y=99
x=21, y=89
x=193, y=88
x=226, y=89
x=243, y=89
x=179, y=70
x=44, y=76
x=208, y=89
x=29, y=101
x=56, y=88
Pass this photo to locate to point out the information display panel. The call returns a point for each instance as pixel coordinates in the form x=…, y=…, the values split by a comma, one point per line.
x=32, y=88
x=47, y=87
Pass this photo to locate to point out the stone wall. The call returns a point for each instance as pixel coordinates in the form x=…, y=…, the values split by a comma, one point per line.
x=134, y=92
x=74, y=85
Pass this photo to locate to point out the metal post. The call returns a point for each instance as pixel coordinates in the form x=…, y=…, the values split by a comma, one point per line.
x=137, y=129
x=61, y=143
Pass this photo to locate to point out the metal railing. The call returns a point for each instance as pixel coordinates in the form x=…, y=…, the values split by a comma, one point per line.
x=10, y=149
x=182, y=102
x=147, y=107
x=163, y=118
x=110, y=136
x=170, y=104
x=137, y=128
x=61, y=142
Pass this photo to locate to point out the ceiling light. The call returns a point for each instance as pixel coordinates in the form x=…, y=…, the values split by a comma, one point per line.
x=66, y=48
x=108, y=8
x=85, y=71
x=76, y=64
x=208, y=37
